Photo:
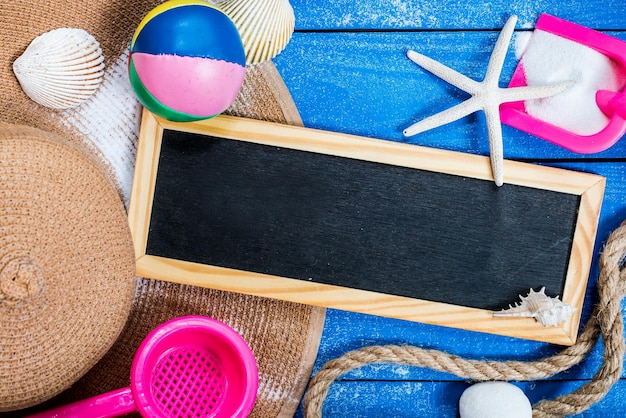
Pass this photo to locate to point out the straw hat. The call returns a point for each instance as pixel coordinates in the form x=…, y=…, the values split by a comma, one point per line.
x=283, y=336
x=66, y=265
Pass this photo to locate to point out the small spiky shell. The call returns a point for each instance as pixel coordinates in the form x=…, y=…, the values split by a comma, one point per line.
x=265, y=26
x=61, y=68
x=545, y=309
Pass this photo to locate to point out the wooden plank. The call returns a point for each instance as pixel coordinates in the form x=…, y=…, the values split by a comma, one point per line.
x=439, y=399
x=158, y=260
x=449, y=14
x=363, y=84
x=345, y=331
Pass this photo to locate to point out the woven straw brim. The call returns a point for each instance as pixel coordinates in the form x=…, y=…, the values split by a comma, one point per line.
x=283, y=336
x=67, y=271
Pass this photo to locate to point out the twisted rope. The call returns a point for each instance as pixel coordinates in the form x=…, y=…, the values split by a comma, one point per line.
x=606, y=320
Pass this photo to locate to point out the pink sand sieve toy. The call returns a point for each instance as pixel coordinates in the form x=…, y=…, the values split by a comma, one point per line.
x=191, y=366
x=610, y=103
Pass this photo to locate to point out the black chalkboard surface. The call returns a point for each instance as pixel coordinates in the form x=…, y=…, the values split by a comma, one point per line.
x=245, y=206
x=357, y=224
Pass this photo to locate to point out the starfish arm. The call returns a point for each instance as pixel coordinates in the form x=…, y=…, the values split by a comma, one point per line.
x=515, y=94
x=496, y=61
x=444, y=72
x=494, y=129
x=449, y=115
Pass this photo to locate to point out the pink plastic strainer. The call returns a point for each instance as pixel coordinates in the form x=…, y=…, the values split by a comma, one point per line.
x=191, y=366
x=514, y=113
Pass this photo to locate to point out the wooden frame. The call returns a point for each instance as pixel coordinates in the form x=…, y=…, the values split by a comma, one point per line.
x=589, y=187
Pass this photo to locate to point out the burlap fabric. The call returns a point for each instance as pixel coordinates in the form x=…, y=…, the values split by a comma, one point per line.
x=283, y=336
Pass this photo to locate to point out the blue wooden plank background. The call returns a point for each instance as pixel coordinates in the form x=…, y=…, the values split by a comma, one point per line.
x=347, y=71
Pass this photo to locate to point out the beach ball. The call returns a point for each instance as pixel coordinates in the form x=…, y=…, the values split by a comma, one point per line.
x=187, y=61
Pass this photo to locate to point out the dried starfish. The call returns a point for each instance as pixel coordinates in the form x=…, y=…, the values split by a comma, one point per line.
x=487, y=96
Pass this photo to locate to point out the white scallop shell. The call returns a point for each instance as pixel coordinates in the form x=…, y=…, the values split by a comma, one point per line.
x=265, y=26
x=61, y=68
x=546, y=310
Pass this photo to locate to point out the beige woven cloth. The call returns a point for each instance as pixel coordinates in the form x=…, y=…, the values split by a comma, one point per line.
x=283, y=336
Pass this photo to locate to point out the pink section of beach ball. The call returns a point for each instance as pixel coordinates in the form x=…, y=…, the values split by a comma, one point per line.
x=193, y=85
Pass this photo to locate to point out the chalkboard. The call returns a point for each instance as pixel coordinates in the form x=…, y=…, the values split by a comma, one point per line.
x=360, y=224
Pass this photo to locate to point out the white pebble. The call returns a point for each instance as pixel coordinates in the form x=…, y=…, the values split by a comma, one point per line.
x=494, y=400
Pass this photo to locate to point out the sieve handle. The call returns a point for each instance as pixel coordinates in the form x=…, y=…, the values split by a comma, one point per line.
x=611, y=102
x=111, y=404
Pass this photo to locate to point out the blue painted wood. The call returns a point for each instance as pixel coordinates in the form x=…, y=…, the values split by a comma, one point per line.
x=439, y=399
x=347, y=71
x=362, y=83
x=345, y=331
x=451, y=14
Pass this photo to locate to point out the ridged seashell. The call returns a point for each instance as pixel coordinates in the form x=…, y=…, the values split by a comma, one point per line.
x=546, y=310
x=61, y=68
x=265, y=26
